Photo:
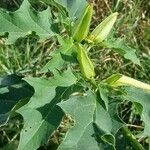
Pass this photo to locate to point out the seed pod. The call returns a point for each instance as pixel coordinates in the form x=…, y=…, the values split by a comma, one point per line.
x=86, y=66
x=122, y=80
x=81, y=27
x=101, y=32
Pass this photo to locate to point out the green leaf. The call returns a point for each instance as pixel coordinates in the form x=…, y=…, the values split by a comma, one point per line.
x=40, y=123
x=12, y=90
x=119, y=46
x=93, y=126
x=74, y=7
x=24, y=21
x=41, y=115
x=82, y=113
x=104, y=123
x=117, y=123
x=142, y=97
x=104, y=95
x=59, y=57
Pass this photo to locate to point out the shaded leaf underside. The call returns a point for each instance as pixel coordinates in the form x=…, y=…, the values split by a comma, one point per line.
x=12, y=90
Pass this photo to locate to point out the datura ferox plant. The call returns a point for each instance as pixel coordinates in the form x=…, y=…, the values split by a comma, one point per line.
x=73, y=88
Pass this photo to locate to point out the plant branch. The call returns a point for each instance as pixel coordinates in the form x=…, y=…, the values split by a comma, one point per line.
x=130, y=137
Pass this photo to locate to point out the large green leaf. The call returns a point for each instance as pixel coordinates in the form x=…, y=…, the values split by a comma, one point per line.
x=123, y=49
x=81, y=109
x=12, y=90
x=93, y=125
x=24, y=21
x=143, y=98
x=41, y=115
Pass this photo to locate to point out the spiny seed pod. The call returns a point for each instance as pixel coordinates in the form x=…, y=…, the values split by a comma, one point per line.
x=86, y=66
x=81, y=27
x=122, y=80
x=101, y=32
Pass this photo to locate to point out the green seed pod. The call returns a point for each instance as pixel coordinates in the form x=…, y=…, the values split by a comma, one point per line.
x=101, y=32
x=81, y=27
x=86, y=66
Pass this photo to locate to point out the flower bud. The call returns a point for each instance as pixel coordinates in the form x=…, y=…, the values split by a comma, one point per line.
x=81, y=27
x=101, y=32
x=86, y=66
x=122, y=80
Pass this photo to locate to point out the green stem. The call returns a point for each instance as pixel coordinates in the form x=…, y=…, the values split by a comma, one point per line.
x=93, y=82
x=130, y=137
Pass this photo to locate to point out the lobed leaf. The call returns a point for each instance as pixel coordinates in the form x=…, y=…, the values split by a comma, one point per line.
x=24, y=21
x=93, y=125
x=137, y=95
x=120, y=47
x=41, y=115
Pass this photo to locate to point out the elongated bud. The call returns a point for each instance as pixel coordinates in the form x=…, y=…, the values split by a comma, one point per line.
x=81, y=27
x=86, y=66
x=122, y=80
x=101, y=32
